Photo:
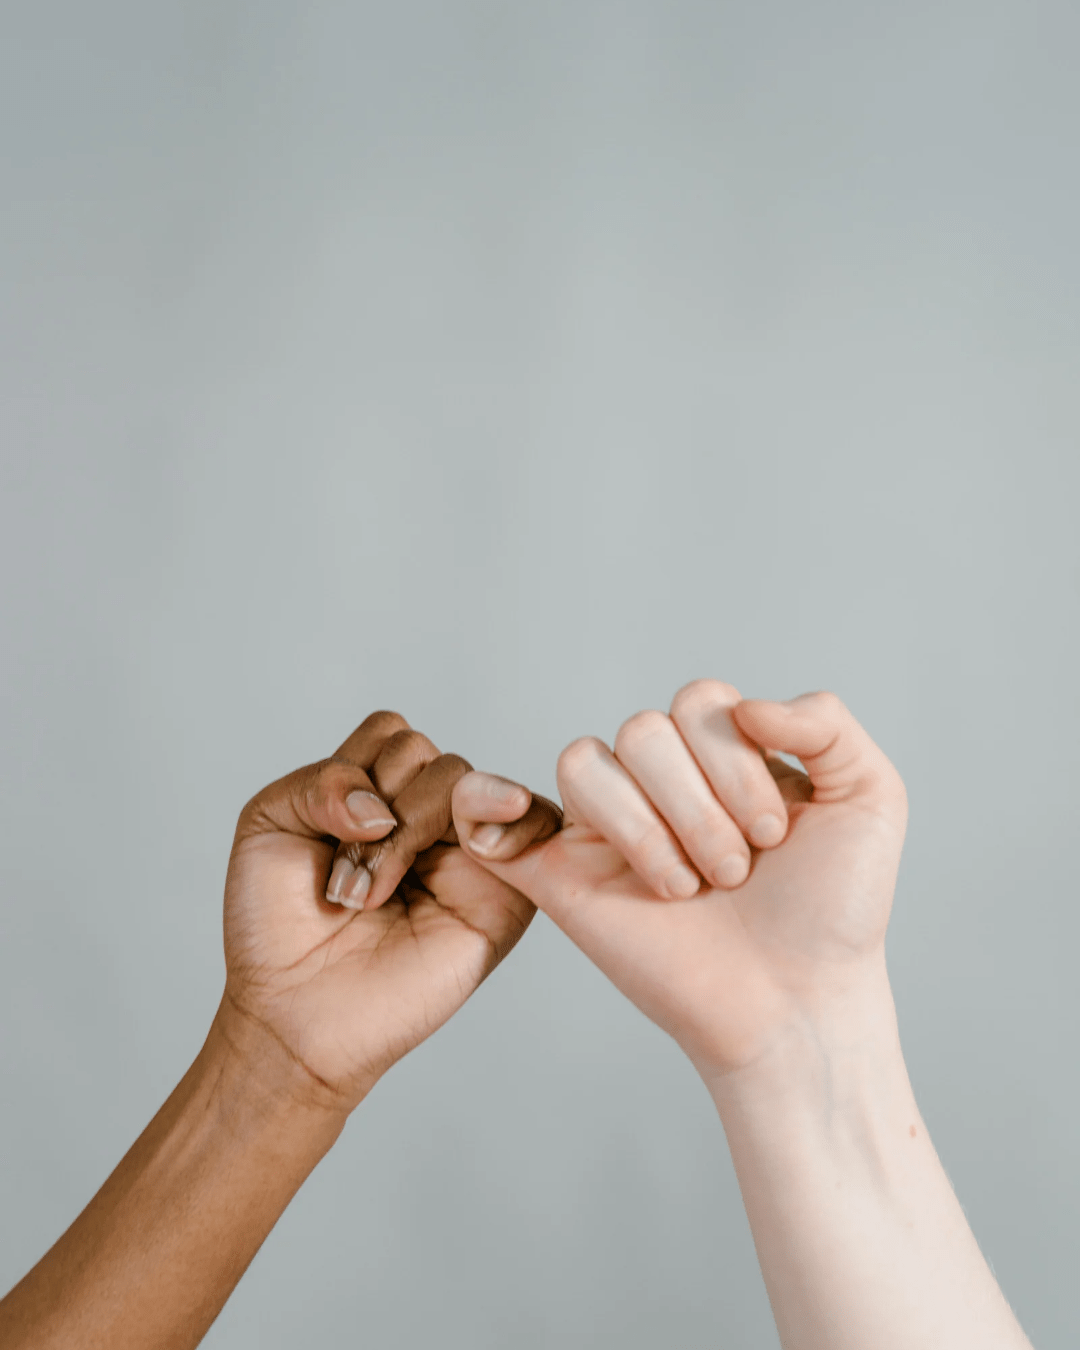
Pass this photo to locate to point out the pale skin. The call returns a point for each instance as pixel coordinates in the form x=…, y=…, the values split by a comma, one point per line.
x=775, y=985
x=353, y=931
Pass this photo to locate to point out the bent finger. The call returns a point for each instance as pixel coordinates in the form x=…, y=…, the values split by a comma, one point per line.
x=326, y=800
x=424, y=814
x=653, y=752
x=842, y=761
x=733, y=765
x=402, y=755
x=497, y=819
x=362, y=746
x=596, y=789
x=402, y=758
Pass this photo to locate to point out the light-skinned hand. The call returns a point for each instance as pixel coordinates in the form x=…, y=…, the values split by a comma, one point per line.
x=731, y=896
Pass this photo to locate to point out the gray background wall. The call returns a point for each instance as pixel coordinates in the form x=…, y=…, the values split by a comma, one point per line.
x=510, y=365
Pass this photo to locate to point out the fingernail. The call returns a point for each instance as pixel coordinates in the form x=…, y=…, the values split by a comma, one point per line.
x=367, y=809
x=486, y=838
x=356, y=894
x=733, y=871
x=682, y=883
x=339, y=875
x=502, y=789
x=766, y=830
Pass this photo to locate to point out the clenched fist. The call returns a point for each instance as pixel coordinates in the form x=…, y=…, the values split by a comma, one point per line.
x=354, y=924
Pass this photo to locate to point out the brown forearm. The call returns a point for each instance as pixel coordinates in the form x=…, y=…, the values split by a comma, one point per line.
x=152, y=1259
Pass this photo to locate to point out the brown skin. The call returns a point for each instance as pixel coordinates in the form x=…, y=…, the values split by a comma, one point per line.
x=348, y=992
x=319, y=1002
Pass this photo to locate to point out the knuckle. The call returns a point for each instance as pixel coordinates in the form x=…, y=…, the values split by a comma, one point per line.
x=384, y=722
x=406, y=742
x=455, y=766
x=713, y=840
x=578, y=756
x=894, y=786
x=641, y=728
x=332, y=775
x=249, y=812
x=701, y=696
x=654, y=849
x=709, y=834
x=827, y=703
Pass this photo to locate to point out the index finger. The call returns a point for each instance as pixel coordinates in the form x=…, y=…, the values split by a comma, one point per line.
x=363, y=746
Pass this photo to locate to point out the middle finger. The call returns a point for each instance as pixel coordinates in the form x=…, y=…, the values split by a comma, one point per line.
x=650, y=748
x=731, y=763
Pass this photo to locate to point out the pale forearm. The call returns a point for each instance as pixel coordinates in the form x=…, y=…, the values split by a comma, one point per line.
x=152, y=1259
x=861, y=1239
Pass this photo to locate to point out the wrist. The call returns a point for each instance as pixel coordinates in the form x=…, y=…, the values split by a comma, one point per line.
x=831, y=1065
x=828, y=1117
x=180, y=1218
x=255, y=1081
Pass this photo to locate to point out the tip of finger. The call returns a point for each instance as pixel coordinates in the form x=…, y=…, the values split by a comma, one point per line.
x=767, y=831
x=682, y=883
x=486, y=839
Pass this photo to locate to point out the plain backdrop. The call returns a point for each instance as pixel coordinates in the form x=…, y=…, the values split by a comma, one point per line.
x=511, y=365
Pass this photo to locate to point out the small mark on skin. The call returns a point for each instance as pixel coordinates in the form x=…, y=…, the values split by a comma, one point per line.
x=912, y=1131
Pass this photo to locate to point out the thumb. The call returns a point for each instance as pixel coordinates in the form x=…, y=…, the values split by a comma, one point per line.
x=328, y=800
x=841, y=760
x=505, y=828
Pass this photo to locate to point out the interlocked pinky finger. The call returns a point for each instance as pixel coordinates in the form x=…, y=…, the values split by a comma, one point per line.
x=501, y=818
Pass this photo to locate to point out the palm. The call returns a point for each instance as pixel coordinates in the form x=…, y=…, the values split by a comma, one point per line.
x=350, y=992
x=723, y=970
